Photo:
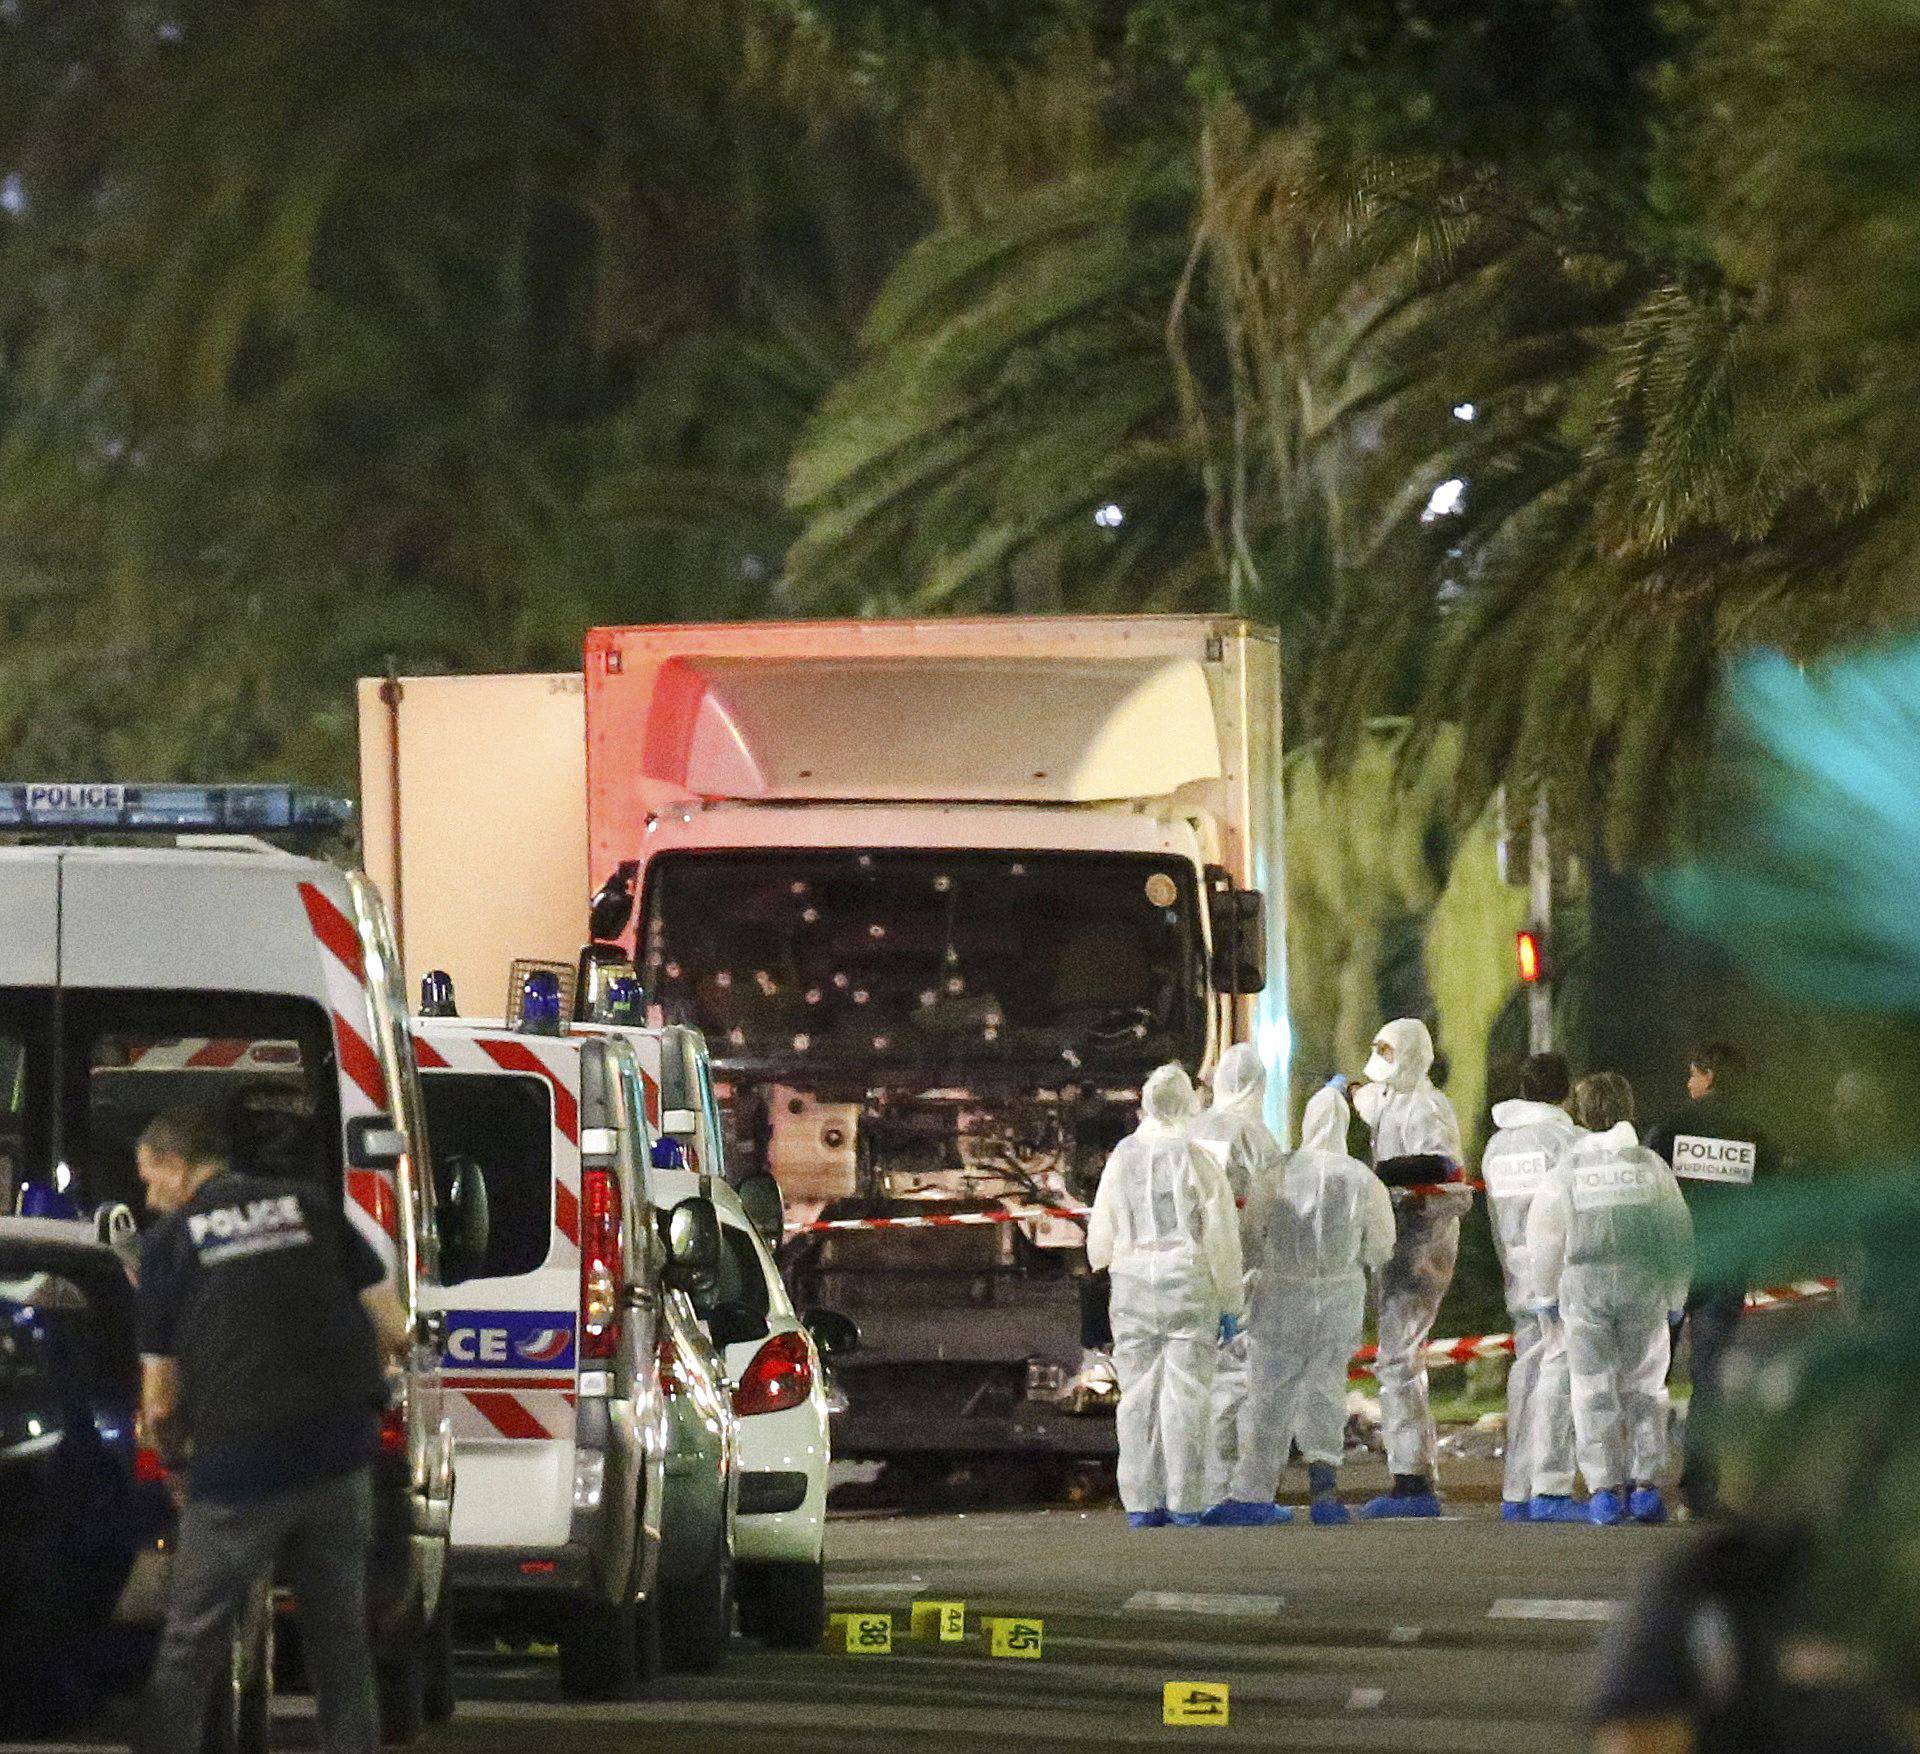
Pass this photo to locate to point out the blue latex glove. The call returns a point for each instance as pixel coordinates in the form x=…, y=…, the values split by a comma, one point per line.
x=1340, y=1082
x=1674, y=1319
x=1229, y=1328
x=1551, y=1311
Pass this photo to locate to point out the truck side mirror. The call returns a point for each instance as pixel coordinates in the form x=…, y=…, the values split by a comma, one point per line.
x=1239, y=922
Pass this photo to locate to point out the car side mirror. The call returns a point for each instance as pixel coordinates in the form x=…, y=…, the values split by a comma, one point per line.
x=693, y=1244
x=832, y=1332
x=759, y=1197
x=465, y=1218
x=374, y=1142
x=1238, y=920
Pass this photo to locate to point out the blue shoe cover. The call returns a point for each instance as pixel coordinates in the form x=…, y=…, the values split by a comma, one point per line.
x=1239, y=1513
x=1555, y=1507
x=1515, y=1510
x=1646, y=1505
x=1328, y=1512
x=1414, y=1504
x=1605, y=1509
x=1184, y=1519
x=1146, y=1519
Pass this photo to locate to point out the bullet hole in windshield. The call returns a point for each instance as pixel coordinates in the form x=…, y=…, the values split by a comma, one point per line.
x=928, y=997
x=955, y=984
x=673, y=971
x=876, y=930
x=796, y=888
x=942, y=884
x=880, y=1044
x=811, y=915
x=813, y=995
x=1016, y=870
x=724, y=978
x=841, y=982
x=801, y=1043
x=860, y=995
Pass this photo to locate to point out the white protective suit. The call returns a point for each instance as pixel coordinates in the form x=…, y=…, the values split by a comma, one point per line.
x=1408, y=1117
x=1321, y=1223
x=1530, y=1138
x=1611, y=1241
x=1233, y=1133
x=1164, y=1222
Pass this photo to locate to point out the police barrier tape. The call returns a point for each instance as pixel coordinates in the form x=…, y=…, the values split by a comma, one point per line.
x=1020, y=1214
x=1473, y=1346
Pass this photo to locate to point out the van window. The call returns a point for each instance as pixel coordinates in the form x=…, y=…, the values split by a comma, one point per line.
x=263, y=1064
x=503, y=1127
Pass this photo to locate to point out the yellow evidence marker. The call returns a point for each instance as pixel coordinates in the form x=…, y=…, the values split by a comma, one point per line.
x=1194, y=1702
x=869, y=1635
x=1009, y=1636
x=946, y=1621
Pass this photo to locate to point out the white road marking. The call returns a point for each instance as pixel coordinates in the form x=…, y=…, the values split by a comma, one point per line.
x=1403, y=1634
x=1178, y=1602
x=1550, y=1608
x=1366, y=1699
x=852, y=1589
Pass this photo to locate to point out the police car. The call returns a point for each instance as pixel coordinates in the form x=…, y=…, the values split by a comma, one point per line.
x=596, y=1445
x=773, y=1358
x=222, y=972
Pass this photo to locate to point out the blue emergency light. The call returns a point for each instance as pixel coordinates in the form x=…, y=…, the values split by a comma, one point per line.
x=66, y=805
x=436, y=994
x=540, y=1003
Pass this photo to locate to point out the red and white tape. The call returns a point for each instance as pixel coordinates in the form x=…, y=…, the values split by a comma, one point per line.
x=1472, y=1346
x=944, y=1220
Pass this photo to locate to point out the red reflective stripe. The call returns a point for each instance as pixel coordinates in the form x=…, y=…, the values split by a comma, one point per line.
x=426, y=1054
x=566, y=1212
x=652, y=1090
x=505, y=1413
x=217, y=1054
x=515, y=1056
x=370, y=1190
x=334, y=930
x=359, y=1062
x=494, y=1379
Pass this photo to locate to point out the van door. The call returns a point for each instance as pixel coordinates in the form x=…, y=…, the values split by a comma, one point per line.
x=506, y=1109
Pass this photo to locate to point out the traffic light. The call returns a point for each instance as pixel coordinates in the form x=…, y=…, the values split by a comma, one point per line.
x=1530, y=955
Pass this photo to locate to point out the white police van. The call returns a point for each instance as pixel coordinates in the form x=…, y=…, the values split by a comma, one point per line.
x=222, y=972
x=596, y=1449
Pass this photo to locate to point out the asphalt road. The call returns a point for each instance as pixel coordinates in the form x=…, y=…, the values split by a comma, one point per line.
x=1460, y=1635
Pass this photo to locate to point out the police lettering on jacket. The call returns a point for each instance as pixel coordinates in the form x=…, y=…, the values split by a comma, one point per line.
x=258, y=1227
x=1619, y=1183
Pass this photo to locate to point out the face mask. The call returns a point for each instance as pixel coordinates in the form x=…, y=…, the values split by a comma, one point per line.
x=1379, y=1069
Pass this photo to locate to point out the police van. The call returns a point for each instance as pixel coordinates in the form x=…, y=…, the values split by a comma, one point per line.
x=222, y=972
x=597, y=1454
x=773, y=1357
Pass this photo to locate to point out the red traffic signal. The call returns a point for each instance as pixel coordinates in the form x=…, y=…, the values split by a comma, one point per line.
x=1527, y=952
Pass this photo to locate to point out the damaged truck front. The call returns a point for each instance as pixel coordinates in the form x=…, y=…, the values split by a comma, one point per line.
x=939, y=894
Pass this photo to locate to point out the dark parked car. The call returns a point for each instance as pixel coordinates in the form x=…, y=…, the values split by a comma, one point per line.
x=71, y=1512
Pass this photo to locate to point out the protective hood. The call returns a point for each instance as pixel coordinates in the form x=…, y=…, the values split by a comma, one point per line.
x=1412, y=1056
x=1167, y=1101
x=1522, y=1113
x=1619, y=1137
x=1324, y=1127
x=1239, y=1081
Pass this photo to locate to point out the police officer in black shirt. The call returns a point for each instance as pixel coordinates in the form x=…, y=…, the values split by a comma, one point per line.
x=265, y=1321
x=1716, y=1151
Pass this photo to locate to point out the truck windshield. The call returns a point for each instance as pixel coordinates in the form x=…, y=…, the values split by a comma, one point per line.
x=263, y=1063
x=790, y=957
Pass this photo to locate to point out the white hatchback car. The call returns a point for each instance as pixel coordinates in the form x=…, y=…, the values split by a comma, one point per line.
x=780, y=1400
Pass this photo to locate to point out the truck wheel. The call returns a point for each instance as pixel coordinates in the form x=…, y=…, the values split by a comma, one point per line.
x=439, y=1692
x=600, y=1651
x=784, y=1606
x=696, y=1619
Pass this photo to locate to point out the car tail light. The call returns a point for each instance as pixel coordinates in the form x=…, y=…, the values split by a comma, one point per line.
x=780, y=1376
x=393, y=1432
x=601, y=1263
x=148, y=1469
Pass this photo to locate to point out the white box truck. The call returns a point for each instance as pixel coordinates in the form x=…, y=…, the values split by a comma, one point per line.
x=938, y=893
